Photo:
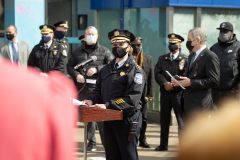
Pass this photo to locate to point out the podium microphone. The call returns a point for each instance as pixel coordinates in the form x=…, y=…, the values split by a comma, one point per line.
x=92, y=59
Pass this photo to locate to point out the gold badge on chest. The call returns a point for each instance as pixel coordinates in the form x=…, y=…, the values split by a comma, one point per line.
x=122, y=73
x=55, y=52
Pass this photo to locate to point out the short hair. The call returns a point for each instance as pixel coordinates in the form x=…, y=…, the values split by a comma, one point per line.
x=11, y=25
x=199, y=33
x=91, y=27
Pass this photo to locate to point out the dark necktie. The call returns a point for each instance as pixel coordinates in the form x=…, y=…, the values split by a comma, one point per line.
x=193, y=58
x=172, y=57
x=115, y=66
x=14, y=53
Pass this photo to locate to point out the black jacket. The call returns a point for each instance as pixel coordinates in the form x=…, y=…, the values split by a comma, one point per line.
x=229, y=59
x=175, y=67
x=46, y=60
x=120, y=89
x=79, y=55
x=204, y=75
x=63, y=42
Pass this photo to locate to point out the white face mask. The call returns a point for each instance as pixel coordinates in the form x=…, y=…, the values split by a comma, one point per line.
x=90, y=39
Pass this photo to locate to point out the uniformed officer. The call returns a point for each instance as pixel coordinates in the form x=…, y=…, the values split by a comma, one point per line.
x=48, y=55
x=120, y=87
x=145, y=61
x=228, y=51
x=82, y=39
x=175, y=62
x=60, y=33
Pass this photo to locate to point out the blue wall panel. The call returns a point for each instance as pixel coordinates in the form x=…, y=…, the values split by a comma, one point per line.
x=113, y=4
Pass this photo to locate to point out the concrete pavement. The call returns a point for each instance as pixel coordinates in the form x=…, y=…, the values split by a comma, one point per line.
x=153, y=138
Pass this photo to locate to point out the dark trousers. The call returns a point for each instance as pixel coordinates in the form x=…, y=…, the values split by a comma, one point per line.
x=117, y=146
x=91, y=127
x=169, y=101
x=142, y=136
x=219, y=95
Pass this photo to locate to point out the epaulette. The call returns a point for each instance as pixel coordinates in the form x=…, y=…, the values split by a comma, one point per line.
x=138, y=67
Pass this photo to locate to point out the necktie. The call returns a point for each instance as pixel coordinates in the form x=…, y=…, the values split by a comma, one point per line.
x=115, y=66
x=193, y=58
x=14, y=53
x=172, y=57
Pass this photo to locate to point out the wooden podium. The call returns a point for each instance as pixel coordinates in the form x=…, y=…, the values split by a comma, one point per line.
x=90, y=114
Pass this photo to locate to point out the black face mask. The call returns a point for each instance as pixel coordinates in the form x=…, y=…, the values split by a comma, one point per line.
x=172, y=47
x=10, y=36
x=119, y=52
x=136, y=48
x=189, y=45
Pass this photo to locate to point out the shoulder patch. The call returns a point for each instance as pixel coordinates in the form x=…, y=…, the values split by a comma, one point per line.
x=138, y=78
x=119, y=101
x=64, y=52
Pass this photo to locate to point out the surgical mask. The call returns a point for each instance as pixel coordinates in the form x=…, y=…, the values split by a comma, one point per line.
x=90, y=39
x=46, y=39
x=189, y=45
x=224, y=37
x=10, y=36
x=172, y=47
x=119, y=52
x=136, y=48
x=60, y=34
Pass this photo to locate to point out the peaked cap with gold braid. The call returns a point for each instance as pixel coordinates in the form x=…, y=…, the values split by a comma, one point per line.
x=175, y=38
x=120, y=35
x=45, y=29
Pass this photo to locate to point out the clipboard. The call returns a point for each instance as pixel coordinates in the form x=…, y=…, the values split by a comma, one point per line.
x=175, y=80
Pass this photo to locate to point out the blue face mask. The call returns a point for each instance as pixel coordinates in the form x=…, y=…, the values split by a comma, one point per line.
x=46, y=39
x=60, y=34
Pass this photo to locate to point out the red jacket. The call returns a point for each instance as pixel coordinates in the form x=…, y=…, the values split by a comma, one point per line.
x=36, y=117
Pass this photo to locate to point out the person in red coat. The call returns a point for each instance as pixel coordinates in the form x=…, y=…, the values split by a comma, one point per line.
x=36, y=116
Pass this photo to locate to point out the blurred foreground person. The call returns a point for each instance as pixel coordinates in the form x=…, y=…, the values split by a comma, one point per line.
x=217, y=138
x=36, y=116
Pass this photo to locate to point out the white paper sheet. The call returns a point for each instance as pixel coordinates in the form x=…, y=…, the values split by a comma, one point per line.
x=77, y=102
x=91, y=81
x=97, y=158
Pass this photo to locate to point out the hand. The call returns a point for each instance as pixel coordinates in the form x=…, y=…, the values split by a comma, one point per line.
x=149, y=97
x=185, y=82
x=88, y=102
x=168, y=86
x=80, y=78
x=103, y=106
x=44, y=74
x=91, y=72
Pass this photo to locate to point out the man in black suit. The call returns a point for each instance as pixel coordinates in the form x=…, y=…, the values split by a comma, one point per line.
x=146, y=63
x=175, y=62
x=202, y=74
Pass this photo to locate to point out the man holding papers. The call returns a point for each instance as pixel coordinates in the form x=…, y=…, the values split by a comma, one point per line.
x=81, y=54
x=202, y=74
x=175, y=63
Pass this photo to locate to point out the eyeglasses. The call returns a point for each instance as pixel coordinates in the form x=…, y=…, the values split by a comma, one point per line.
x=136, y=45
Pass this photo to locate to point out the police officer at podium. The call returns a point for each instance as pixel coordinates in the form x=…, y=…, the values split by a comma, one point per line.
x=119, y=87
x=175, y=62
x=48, y=55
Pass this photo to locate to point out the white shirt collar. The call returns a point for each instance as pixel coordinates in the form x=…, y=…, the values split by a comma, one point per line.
x=14, y=41
x=200, y=50
x=174, y=55
x=48, y=45
x=120, y=63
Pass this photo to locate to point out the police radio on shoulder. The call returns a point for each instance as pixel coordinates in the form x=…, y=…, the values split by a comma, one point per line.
x=92, y=59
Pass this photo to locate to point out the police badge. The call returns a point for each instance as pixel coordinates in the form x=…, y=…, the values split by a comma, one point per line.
x=181, y=64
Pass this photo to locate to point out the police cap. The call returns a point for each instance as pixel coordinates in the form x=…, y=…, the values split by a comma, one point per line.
x=120, y=35
x=82, y=38
x=45, y=29
x=138, y=39
x=63, y=23
x=175, y=38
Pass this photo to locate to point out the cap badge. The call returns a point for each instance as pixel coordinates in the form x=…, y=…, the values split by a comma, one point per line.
x=223, y=25
x=116, y=33
x=44, y=27
x=122, y=73
x=173, y=36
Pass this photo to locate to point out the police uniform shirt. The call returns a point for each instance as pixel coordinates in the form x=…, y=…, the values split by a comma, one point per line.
x=119, y=64
x=174, y=55
x=47, y=46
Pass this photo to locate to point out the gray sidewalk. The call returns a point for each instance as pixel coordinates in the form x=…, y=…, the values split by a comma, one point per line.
x=153, y=138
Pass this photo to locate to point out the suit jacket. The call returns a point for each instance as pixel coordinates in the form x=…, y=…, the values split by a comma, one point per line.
x=149, y=72
x=23, y=51
x=204, y=74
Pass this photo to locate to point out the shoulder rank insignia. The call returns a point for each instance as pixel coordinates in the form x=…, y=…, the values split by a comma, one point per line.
x=181, y=64
x=64, y=41
x=122, y=73
x=108, y=62
x=138, y=78
x=119, y=101
x=64, y=52
x=66, y=46
x=127, y=65
x=165, y=57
